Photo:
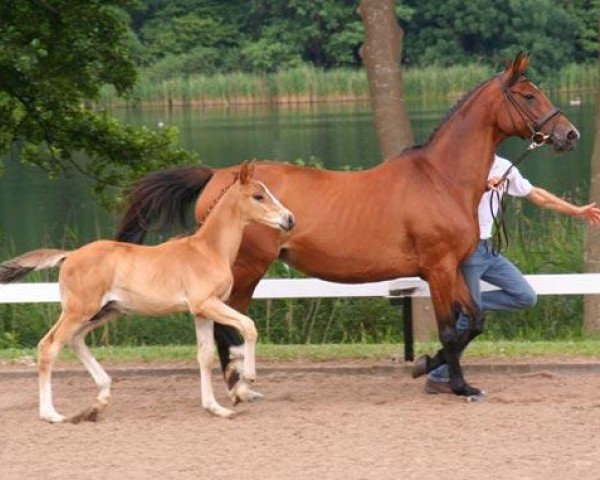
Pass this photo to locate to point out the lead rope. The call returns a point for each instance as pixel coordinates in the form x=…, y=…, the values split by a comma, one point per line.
x=500, y=236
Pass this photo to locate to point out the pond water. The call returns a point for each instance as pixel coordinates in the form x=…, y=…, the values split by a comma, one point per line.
x=36, y=211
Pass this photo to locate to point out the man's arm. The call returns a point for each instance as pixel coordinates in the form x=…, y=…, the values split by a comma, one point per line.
x=544, y=199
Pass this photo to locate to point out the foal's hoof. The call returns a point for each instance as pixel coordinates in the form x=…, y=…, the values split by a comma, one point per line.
x=421, y=366
x=219, y=411
x=52, y=417
x=88, y=415
x=242, y=393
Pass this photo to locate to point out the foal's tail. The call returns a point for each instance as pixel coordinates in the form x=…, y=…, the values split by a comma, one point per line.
x=162, y=197
x=20, y=266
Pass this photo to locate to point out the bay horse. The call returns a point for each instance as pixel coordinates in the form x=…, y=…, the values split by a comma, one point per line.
x=194, y=273
x=412, y=215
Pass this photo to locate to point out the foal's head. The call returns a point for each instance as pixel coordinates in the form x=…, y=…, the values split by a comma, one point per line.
x=528, y=113
x=258, y=204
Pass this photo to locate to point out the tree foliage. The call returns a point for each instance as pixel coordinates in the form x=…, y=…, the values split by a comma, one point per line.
x=54, y=58
x=487, y=31
x=55, y=55
x=207, y=36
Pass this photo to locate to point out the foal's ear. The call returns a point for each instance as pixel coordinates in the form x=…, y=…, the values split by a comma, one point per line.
x=516, y=68
x=246, y=171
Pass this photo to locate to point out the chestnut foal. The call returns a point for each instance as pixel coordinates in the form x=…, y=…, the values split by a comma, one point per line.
x=104, y=278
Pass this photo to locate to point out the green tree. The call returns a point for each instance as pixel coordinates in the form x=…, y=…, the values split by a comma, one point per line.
x=54, y=58
x=262, y=35
x=190, y=35
x=487, y=31
x=585, y=15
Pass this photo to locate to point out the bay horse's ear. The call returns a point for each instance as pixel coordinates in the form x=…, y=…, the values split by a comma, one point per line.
x=516, y=68
x=246, y=171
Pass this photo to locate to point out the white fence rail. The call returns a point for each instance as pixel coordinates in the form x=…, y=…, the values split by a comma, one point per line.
x=555, y=284
x=397, y=291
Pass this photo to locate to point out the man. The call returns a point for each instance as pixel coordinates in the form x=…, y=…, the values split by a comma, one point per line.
x=483, y=264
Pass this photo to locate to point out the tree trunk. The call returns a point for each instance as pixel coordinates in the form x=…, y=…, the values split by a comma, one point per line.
x=380, y=54
x=591, y=319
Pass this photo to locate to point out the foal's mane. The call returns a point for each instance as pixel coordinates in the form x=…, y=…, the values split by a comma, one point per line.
x=457, y=106
x=216, y=200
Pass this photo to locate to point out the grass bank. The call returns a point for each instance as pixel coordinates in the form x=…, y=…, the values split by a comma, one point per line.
x=358, y=351
x=307, y=84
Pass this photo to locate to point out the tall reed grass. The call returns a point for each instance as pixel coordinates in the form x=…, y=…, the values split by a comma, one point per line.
x=308, y=84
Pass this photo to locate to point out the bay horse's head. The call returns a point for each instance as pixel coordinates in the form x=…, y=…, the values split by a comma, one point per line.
x=258, y=204
x=528, y=113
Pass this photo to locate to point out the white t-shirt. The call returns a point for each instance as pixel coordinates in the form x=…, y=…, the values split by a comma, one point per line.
x=518, y=187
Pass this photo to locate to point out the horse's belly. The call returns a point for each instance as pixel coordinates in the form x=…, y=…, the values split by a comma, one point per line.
x=353, y=265
x=140, y=302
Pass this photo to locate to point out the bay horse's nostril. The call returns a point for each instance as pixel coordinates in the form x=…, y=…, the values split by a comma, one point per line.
x=573, y=134
x=291, y=221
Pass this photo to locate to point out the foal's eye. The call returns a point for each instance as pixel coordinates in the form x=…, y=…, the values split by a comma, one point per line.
x=528, y=96
x=259, y=197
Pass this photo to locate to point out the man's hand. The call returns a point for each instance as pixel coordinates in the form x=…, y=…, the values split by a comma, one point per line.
x=495, y=183
x=590, y=213
x=545, y=199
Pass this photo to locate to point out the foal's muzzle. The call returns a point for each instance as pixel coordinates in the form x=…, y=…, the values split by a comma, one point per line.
x=287, y=222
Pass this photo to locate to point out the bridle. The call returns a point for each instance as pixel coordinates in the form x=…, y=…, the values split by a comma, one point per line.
x=534, y=125
x=538, y=138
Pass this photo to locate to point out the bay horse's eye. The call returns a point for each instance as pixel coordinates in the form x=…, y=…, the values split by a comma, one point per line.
x=259, y=197
x=528, y=96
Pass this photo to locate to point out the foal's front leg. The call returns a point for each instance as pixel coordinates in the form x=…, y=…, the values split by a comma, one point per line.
x=206, y=350
x=225, y=315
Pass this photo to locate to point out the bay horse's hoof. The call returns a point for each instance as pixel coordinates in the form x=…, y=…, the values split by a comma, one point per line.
x=421, y=366
x=477, y=398
x=466, y=390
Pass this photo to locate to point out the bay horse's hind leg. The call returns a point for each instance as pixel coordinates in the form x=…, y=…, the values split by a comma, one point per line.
x=206, y=350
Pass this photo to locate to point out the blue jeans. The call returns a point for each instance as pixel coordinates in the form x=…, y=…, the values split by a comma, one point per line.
x=515, y=293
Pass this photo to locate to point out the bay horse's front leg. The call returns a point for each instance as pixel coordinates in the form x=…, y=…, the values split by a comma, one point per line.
x=447, y=303
x=468, y=317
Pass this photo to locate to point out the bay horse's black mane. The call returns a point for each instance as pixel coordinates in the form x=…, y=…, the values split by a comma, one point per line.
x=449, y=115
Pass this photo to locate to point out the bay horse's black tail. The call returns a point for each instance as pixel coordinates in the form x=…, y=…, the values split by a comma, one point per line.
x=161, y=199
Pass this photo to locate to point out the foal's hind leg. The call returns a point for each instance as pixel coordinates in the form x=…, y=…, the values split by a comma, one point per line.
x=94, y=368
x=206, y=350
x=48, y=349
